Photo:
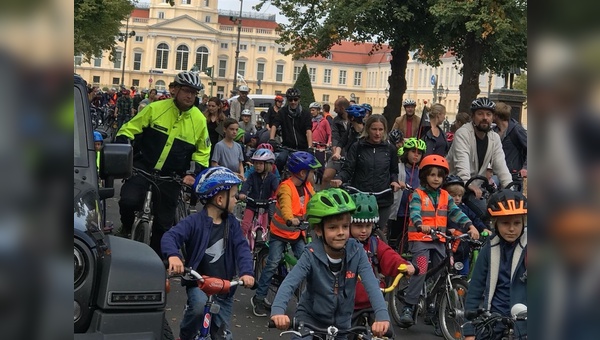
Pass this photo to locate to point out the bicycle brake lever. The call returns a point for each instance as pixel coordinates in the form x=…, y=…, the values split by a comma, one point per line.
x=291, y=332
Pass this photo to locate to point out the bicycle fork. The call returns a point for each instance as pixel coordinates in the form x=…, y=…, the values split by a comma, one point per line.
x=209, y=309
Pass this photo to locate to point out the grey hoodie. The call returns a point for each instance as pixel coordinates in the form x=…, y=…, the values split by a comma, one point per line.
x=319, y=304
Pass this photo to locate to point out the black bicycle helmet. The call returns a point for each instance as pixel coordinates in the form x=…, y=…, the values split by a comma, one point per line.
x=292, y=92
x=507, y=203
x=453, y=179
x=483, y=103
x=189, y=79
x=395, y=136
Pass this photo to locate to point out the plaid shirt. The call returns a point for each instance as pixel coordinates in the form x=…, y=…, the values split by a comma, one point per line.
x=124, y=105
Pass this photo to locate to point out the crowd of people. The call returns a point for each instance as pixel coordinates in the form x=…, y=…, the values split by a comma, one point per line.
x=210, y=145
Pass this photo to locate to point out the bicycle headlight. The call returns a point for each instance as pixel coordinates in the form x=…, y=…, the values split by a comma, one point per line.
x=458, y=266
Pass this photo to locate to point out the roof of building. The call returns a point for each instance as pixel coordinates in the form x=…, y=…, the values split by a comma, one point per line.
x=249, y=22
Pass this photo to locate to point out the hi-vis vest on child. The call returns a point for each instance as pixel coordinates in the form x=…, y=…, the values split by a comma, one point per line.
x=432, y=216
x=278, y=224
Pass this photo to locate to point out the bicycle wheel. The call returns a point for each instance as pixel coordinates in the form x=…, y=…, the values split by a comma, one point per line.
x=181, y=212
x=396, y=302
x=141, y=232
x=450, y=303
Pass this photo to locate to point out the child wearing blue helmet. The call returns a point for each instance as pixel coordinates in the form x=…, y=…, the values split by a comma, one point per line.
x=215, y=247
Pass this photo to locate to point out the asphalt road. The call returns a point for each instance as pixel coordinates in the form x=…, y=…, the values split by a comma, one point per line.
x=244, y=324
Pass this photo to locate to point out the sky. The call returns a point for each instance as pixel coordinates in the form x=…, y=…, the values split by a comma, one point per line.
x=247, y=7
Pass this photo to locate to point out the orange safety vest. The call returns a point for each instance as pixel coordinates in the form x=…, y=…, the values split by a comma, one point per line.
x=432, y=216
x=278, y=224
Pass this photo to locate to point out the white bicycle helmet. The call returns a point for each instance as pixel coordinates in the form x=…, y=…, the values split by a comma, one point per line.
x=243, y=88
x=246, y=112
x=189, y=79
x=315, y=105
x=264, y=155
x=409, y=102
x=483, y=103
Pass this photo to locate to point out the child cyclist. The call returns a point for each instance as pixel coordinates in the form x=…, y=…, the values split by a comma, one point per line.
x=260, y=186
x=331, y=266
x=430, y=207
x=292, y=196
x=384, y=260
x=275, y=170
x=215, y=247
x=499, y=278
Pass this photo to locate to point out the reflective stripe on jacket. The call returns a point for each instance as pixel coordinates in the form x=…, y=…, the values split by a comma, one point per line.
x=432, y=216
x=278, y=222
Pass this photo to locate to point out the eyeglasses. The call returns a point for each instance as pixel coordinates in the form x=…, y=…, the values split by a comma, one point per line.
x=293, y=99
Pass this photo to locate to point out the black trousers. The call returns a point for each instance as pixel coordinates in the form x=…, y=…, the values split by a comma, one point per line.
x=164, y=206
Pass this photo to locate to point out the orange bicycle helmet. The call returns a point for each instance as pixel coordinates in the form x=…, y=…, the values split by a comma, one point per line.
x=507, y=203
x=278, y=98
x=434, y=160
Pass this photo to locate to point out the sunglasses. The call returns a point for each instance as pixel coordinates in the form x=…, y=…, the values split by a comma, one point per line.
x=293, y=99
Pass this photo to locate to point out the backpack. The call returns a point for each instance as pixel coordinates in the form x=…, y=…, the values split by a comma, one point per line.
x=372, y=254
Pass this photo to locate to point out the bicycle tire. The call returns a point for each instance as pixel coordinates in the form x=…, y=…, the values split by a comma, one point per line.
x=396, y=301
x=141, y=232
x=449, y=302
x=166, y=330
x=181, y=212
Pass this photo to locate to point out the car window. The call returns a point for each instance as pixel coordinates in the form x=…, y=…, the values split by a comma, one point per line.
x=80, y=142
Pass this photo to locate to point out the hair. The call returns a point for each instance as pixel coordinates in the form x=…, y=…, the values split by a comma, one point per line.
x=463, y=117
x=503, y=111
x=205, y=96
x=423, y=173
x=404, y=157
x=336, y=217
x=374, y=119
x=455, y=189
x=436, y=111
x=220, y=115
x=229, y=121
x=326, y=108
x=341, y=102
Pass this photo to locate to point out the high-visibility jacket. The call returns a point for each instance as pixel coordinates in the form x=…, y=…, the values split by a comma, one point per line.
x=432, y=216
x=278, y=223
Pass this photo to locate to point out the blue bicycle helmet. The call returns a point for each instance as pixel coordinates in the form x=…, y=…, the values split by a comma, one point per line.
x=356, y=111
x=98, y=137
x=302, y=160
x=213, y=180
x=367, y=107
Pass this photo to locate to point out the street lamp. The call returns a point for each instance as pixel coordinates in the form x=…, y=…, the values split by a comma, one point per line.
x=123, y=37
x=237, y=21
x=439, y=93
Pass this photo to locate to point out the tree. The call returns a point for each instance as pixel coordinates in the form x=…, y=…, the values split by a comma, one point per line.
x=521, y=83
x=305, y=87
x=483, y=34
x=96, y=24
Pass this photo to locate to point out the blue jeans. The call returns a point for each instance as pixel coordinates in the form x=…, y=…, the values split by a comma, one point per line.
x=276, y=249
x=194, y=314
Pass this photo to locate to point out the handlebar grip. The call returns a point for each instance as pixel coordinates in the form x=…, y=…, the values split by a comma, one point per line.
x=390, y=332
x=288, y=223
x=272, y=324
x=255, y=286
x=473, y=314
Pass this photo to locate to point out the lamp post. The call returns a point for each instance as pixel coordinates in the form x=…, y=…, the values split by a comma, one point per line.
x=439, y=93
x=237, y=21
x=123, y=37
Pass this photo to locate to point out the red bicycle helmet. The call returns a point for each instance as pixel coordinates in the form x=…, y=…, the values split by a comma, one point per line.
x=265, y=146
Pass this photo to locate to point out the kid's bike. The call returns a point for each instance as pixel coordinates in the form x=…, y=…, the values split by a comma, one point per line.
x=494, y=326
x=306, y=330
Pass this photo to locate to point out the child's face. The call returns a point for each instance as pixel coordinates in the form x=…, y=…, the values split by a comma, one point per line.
x=457, y=197
x=98, y=146
x=414, y=156
x=232, y=199
x=435, y=178
x=246, y=119
x=361, y=231
x=232, y=131
x=335, y=231
x=259, y=166
x=510, y=227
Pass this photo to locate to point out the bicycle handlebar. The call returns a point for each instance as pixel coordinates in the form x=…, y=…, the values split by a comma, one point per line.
x=261, y=203
x=348, y=187
x=213, y=285
x=154, y=176
x=303, y=226
x=402, y=271
x=303, y=329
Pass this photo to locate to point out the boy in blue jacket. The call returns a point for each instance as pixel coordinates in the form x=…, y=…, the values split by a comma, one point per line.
x=499, y=278
x=331, y=265
x=215, y=247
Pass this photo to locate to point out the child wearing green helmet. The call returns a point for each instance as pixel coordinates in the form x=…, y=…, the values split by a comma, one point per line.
x=384, y=260
x=332, y=262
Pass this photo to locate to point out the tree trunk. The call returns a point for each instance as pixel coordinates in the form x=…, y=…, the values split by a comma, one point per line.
x=397, y=82
x=472, y=67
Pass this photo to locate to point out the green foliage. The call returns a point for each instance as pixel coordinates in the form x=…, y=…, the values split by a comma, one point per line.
x=520, y=83
x=96, y=25
x=305, y=87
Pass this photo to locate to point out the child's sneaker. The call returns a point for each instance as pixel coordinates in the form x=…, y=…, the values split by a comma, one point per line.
x=258, y=306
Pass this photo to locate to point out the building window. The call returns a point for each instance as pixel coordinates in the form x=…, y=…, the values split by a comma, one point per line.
x=135, y=82
x=98, y=61
x=161, y=15
x=280, y=50
x=262, y=48
x=326, y=98
x=78, y=60
x=160, y=85
x=162, y=56
x=206, y=3
x=224, y=45
x=329, y=56
x=207, y=18
x=327, y=76
x=139, y=38
x=342, y=78
x=260, y=71
x=202, y=57
x=220, y=91
x=312, y=72
x=116, y=80
x=357, y=78
x=186, y=2
x=137, y=61
x=243, y=47
x=279, y=73
x=297, y=70
x=222, y=68
x=117, y=60
x=181, y=59
x=96, y=80
x=242, y=68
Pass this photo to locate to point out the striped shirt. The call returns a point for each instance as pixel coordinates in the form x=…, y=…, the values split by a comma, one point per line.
x=455, y=214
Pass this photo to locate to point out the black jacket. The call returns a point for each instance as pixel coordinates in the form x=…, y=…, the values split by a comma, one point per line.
x=514, y=144
x=294, y=127
x=371, y=168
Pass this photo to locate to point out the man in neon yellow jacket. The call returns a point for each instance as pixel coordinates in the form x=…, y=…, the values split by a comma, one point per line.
x=171, y=137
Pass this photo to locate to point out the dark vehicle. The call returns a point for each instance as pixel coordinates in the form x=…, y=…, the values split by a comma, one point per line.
x=119, y=284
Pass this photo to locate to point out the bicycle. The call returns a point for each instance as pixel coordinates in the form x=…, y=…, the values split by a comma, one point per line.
x=377, y=229
x=443, y=292
x=476, y=246
x=322, y=152
x=305, y=329
x=141, y=229
x=258, y=234
x=485, y=323
x=184, y=204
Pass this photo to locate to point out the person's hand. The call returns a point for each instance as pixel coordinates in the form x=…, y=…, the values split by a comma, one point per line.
x=295, y=221
x=476, y=190
x=336, y=156
x=425, y=229
x=189, y=180
x=282, y=322
x=175, y=265
x=336, y=183
x=473, y=232
x=248, y=281
x=402, y=185
x=379, y=328
x=241, y=197
x=470, y=337
x=488, y=231
x=410, y=269
x=523, y=173
x=395, y=186
x=240, y=176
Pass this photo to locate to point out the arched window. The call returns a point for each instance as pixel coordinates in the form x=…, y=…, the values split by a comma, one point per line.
x=181, y=59
x=162, y=56
x=202, y=57
x=160, y=85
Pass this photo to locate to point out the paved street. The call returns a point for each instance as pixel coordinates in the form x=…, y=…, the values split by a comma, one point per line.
x=244, y=324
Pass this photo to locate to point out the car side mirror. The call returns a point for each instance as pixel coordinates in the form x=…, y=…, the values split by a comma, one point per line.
x=116, y=161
